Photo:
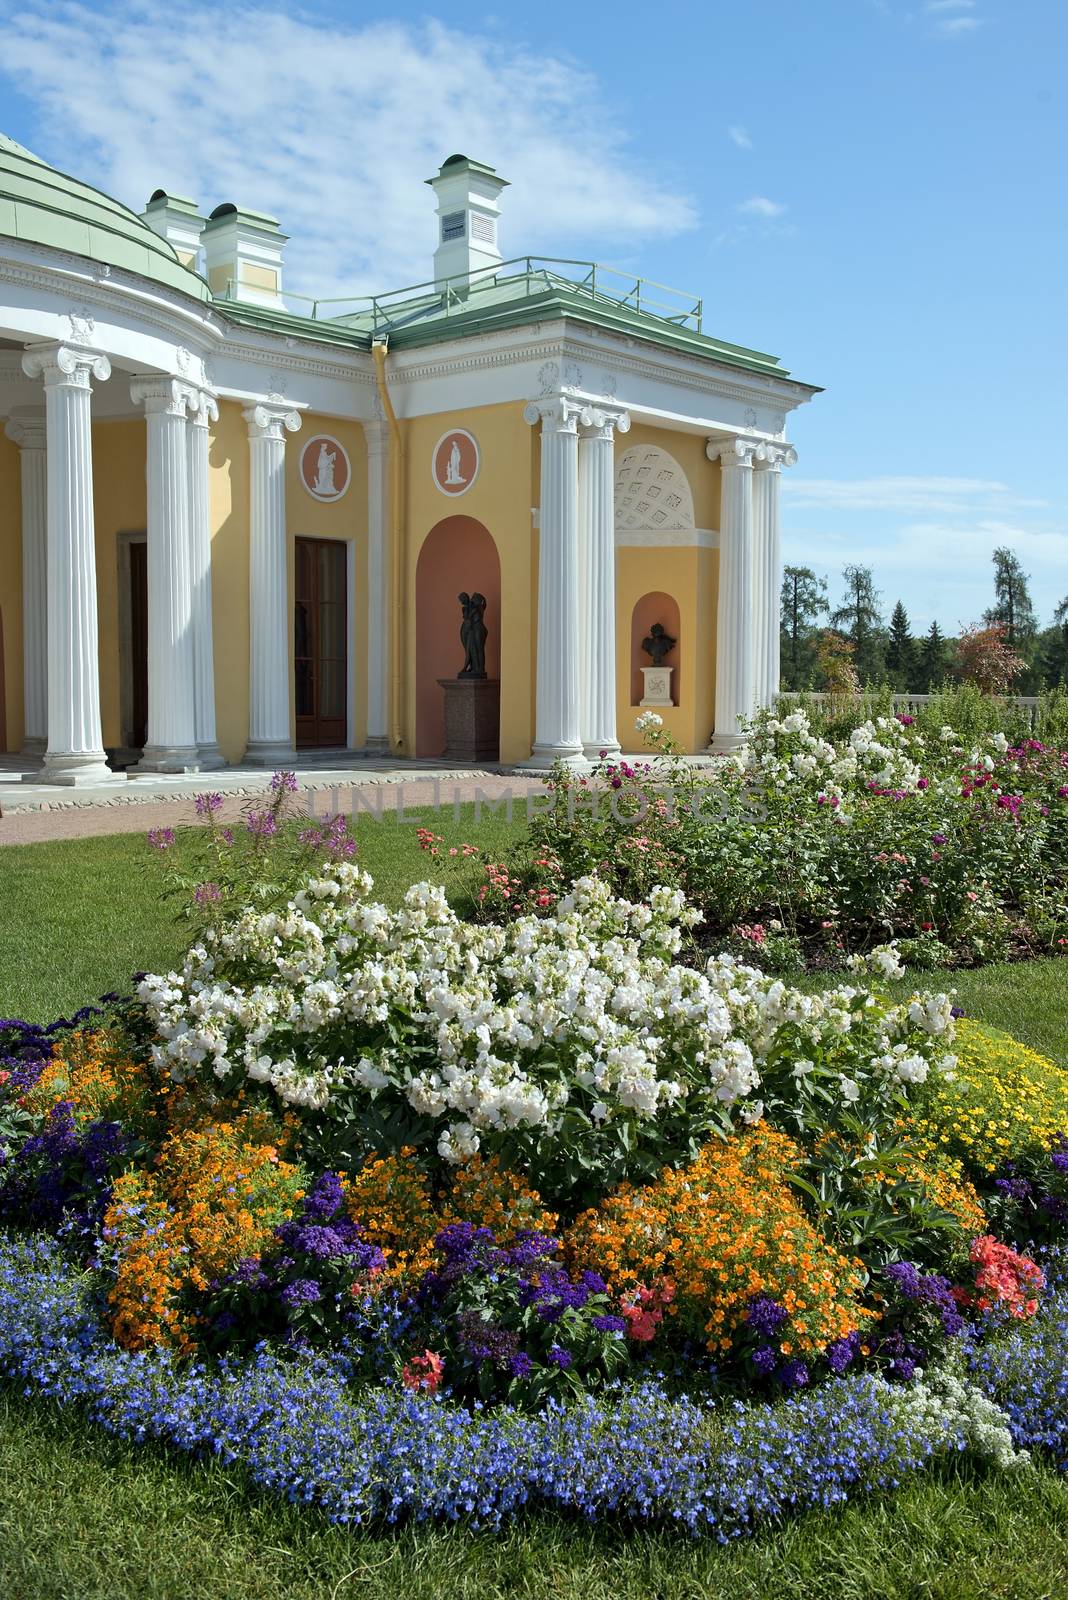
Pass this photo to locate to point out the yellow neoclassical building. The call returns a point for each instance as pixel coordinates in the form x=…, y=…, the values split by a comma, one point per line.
x=235, y=525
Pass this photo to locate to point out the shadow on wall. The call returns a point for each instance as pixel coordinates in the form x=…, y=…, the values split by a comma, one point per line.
x=458, y=554
x=653, y=607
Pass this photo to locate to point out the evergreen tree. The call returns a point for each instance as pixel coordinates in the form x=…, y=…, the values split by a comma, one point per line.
x=901, y=650
x=933, y=661
x=1053, y=648
x=860, y=620
x=804, y=600
x=1012, y=608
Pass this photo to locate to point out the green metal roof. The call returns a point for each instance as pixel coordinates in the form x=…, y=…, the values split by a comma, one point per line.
x=40, y=205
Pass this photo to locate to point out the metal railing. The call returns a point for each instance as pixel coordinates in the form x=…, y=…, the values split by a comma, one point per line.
x=526, y=276
x=910, y=704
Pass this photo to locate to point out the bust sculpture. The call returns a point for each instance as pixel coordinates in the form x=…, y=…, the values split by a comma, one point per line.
x=659, y=644
x=473, y=634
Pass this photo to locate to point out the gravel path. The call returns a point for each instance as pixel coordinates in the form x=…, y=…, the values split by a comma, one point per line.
x=391, y=796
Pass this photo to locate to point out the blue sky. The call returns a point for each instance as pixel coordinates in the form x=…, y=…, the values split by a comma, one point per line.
x=873, y=190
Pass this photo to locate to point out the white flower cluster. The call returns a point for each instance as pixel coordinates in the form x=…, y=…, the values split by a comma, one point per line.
x=489, y=1029
x=879, y=753
x=940, y=1401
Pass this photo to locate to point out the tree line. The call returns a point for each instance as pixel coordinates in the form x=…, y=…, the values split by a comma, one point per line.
x=851, y=644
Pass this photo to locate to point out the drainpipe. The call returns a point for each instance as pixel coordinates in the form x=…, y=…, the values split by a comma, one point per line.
x=398, y=550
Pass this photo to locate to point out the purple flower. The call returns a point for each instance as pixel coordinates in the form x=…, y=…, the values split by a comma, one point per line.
x=301, y=1292
x=764, y=1360
x=794, y=1375
x=284, y=783
x=938, y=838
x=161, y=838
x=842, y=1353
x=609, y=1324
x=206, y=893
x=560, y=1357
x=521, y=1365
x=207, y=804
x=262, y=824
x=766, y=1316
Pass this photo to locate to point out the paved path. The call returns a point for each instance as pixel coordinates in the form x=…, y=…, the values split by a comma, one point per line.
x=389, y=791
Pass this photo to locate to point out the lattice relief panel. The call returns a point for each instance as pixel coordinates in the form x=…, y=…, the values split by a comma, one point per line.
x=652, y=492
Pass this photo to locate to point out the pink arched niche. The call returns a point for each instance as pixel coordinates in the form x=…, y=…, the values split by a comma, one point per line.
x=653, y=607
x=458, y=554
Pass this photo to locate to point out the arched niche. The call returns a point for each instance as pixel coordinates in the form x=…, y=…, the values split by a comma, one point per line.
x=457, y=554
x=652, y=496
x=656, y=606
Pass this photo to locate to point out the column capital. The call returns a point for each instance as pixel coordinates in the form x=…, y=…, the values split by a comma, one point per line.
x=603, y=422
x=732, y=452
x=26, y=427
x=65, y=366
x=557, y=413
x=271, y=419
x=161, y=396
x=773, y=457
x=203, y=407
x=376, y=435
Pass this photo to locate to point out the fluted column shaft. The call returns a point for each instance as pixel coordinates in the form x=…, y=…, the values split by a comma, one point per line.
x=735, y=616
x=203, y=412
x=270, y=740
x=26, y=427
x=75, y=752
x=377, y=437
x=171, y=744
x=557, y=726
x=597, y=582
x=767, y=484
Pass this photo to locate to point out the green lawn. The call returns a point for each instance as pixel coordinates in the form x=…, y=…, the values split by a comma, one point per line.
x=79, y=916
x=83, y=1517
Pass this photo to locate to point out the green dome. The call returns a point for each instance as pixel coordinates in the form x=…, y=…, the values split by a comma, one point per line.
x=39, y=205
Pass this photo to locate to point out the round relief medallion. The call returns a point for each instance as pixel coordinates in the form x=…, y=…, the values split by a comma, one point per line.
x=455, y=462
x=324, y=467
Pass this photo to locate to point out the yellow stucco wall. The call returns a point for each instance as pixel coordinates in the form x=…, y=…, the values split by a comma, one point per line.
x=120, y=505
x=11, y=591
x=689, y=576
x=344, y=519
x=499, y=499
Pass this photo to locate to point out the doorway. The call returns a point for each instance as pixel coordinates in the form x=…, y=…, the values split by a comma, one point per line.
x=320, y=643
x=133, y=646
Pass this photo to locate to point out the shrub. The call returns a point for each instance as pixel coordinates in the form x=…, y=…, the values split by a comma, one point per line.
x=728, y=1230
x=1003, y=1102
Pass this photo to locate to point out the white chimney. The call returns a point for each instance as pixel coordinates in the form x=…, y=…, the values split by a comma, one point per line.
x=179, y=222
x=468, y=213
x=243, y=256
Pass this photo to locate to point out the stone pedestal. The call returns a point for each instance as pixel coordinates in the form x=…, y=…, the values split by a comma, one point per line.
x=472, y=719
x=657, y=686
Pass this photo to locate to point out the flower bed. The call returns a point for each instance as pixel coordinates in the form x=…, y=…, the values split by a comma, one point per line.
x=805, y=848
x=416, y=1216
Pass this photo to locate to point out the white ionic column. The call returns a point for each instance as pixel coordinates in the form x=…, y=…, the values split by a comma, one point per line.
x=378, y=631
x=735, y=614
x=557, y=729
x=75, y=753
x=270, y=739
x=769, y=460
x=171, y=743
x=597, y=581
x=26, y=427
x=203, y=411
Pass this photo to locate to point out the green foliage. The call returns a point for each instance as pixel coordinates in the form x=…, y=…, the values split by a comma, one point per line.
x=803, y=602
x=859, y=618
x=901, y=651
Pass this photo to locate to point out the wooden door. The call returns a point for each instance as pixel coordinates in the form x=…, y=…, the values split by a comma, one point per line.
x=320, y=643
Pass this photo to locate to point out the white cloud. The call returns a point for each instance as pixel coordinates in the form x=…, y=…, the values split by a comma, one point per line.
x=740, y=136
x=761, y=206
x=940, y=496
x=952, y=18
x=331, y=127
